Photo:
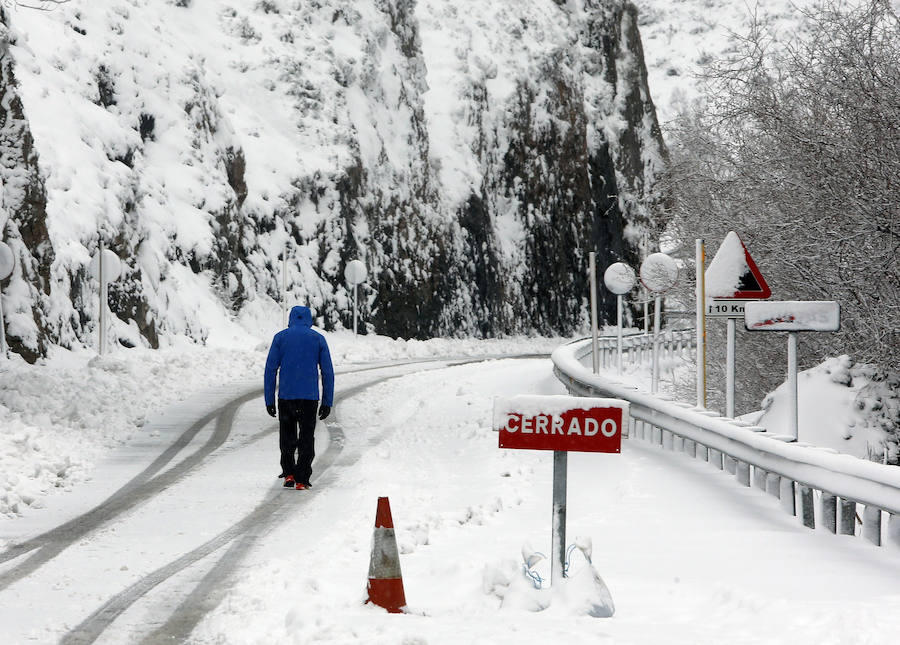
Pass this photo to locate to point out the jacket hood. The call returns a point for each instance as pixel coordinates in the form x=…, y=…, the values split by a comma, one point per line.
x=300, y=316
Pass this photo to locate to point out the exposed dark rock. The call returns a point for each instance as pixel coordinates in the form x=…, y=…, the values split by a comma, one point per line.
x=25, y=202
x=146, y=125
x=106, y=87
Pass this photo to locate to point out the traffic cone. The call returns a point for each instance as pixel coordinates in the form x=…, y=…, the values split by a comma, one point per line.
x=385, y=587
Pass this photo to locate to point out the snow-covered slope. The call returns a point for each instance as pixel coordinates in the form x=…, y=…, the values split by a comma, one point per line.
x=469, y=157
x=681, y=37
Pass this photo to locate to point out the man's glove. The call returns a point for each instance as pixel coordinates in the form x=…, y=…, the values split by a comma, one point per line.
x=272, y=410
x=324, y=411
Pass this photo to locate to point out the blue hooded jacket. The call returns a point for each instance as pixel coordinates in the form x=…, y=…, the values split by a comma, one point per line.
x=296, y=355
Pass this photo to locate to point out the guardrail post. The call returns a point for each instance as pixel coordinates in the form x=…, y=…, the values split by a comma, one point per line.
x=759, y=478
x=668, y=440
x=893, y=530
x=703, y=452
x=788, y=501
x=715, y=458
x=730, y=464
x=872, y=524
x=848, y=517
x=807, y=507
x=743, y=473
x=829, y=512
x=690, y=447
x=773, y=485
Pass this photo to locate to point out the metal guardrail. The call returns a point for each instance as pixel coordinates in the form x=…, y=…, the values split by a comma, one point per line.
x=637, y=348
x=796, y=473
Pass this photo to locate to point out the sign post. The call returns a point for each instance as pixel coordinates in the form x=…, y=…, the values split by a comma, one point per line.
x=700, y=261
x=7, y=264
x=106, y=267
x=284, y=254
x=592, y=270
x=793, y=317
x=731, y=280
x=619, y=278
x=659, y=273
x=560, y=424
x=355, y=274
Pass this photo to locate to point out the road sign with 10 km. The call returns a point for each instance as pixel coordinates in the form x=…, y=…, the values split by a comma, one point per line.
x=725, y=308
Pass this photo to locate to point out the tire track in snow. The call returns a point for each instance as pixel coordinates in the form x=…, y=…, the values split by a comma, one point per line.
x=242, y=536
x=135, y=492
x=142, y=487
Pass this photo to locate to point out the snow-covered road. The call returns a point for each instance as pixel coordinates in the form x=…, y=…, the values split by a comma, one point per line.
x=203, y=545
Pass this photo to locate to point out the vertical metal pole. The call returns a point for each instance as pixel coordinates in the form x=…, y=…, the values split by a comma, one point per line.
x=558, y=541
x=355, y=306
x=729, y=371
x=619, y=334
x=592, y=268
x=654, y=385
x=2, y=328
x=700, y=261
x=646, y=312
x=102, y=278
x=284, y=320
x=793, y=414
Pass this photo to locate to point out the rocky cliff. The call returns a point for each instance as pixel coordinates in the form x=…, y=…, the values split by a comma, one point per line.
x=471, y=156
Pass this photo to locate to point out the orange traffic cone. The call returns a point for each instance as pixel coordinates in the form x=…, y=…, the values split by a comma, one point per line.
x=385, y=586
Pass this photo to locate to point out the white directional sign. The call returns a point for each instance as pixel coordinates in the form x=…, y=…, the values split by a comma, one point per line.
x=792, y=315
x=725, y=308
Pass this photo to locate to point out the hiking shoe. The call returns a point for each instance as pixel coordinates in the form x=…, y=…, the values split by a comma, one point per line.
x=302, y=486
x=289, y=481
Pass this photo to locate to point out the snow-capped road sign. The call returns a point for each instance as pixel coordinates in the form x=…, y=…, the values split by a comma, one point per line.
x=813, y=315
x=563, y=423
x=560, y=424
x=733, y=273
x=355, y=272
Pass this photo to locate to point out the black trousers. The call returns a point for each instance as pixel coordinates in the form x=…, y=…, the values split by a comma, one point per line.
x=296, y=429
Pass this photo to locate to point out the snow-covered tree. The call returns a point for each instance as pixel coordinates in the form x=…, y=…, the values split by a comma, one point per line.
x=797, y=147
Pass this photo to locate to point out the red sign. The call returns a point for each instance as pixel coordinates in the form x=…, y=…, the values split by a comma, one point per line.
x=588, y=428
x=733, y=274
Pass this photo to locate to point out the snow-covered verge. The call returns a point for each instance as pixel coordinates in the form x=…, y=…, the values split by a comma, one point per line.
x=842, y=406
x=61, y=415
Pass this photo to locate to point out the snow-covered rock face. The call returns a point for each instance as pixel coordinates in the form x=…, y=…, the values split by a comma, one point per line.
x=471, y=157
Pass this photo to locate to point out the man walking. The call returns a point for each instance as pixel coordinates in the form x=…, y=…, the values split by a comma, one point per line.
x=296, y=356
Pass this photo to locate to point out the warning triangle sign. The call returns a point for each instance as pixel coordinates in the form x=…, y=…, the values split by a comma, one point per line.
x=733, y=273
